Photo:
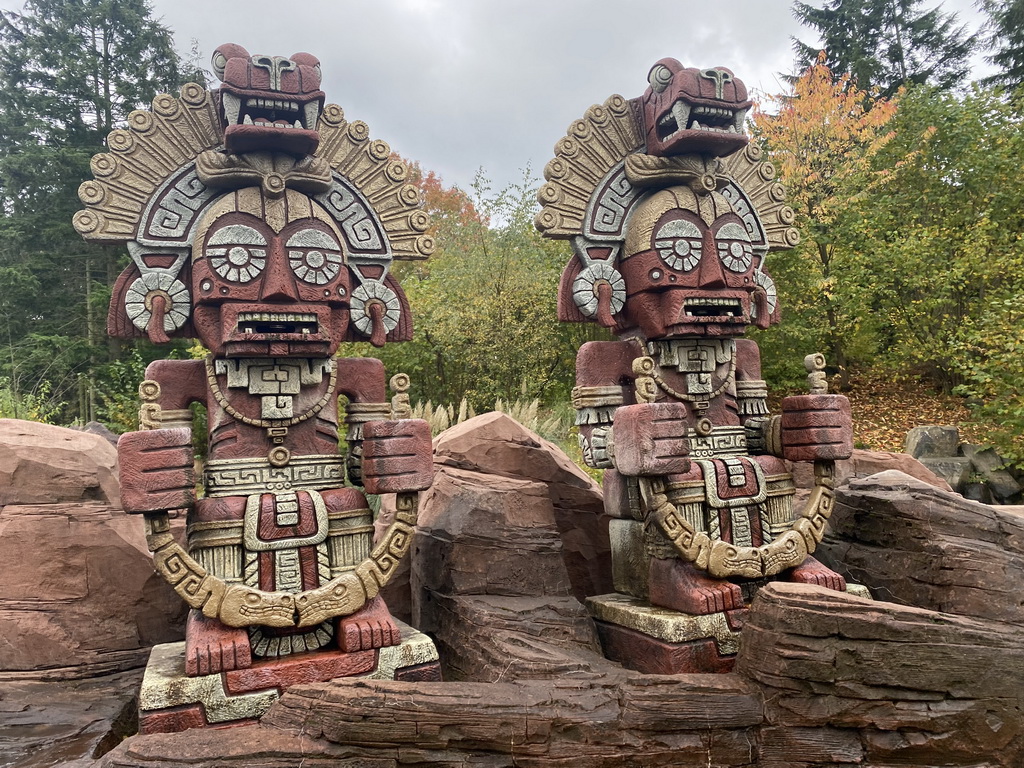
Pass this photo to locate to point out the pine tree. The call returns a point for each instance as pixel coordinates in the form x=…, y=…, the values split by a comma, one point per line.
x=70, y=71
x=1005, y=30
x=886, y=44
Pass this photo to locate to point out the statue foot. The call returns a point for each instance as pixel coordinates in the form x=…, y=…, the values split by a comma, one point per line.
x=369, y=627
x=212, y=647
x=682, y=587
x=810, y=571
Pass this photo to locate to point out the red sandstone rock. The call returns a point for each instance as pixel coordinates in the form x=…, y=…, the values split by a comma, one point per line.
x=78, y=593
x=912, y=543
x=863, y=463
x=496, y=445
x=44, y=464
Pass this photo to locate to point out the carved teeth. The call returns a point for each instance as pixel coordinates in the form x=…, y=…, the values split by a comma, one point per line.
x=291, y=106
x=722, y=307
x=739, y=120
x=277, y=317
x=312, y=114
x=232, y=105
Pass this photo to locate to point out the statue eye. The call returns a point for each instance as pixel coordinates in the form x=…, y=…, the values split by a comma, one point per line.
x=734, y=247
x=314, y=256
x=237, y=253
x=679, y=244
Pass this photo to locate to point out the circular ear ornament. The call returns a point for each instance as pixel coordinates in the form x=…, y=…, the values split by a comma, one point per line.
x=157, y=292
x=765, y=281
x=375, y=310
x=589, y=286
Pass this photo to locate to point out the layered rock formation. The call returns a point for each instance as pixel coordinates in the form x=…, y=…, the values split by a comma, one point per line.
x=930, y=674
x=78, y=594
x=510, y=539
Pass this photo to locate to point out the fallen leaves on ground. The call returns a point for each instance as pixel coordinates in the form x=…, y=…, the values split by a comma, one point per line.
x=885, y=407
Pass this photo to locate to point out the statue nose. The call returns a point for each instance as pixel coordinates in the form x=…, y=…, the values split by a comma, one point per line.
x=279, y=283
x=710, y=273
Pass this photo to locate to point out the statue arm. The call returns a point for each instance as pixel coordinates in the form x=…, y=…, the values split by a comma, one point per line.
x=385, y=454
x=752, y=400
x=156, y=462
x=603, y=384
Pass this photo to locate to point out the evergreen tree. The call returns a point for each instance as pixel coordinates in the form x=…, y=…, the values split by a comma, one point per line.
x=1005, y=30
x=70, y=71
x=886, y=44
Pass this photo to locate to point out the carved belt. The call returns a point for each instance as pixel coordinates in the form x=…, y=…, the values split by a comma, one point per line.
x=722, y=441
x=244, y=477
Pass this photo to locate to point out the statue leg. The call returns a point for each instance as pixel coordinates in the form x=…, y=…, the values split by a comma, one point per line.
x=810, y=571
x=369, y=627
x=212, y=647
x=681, y=587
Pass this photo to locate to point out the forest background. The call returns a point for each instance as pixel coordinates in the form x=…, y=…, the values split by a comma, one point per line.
x=906, y=178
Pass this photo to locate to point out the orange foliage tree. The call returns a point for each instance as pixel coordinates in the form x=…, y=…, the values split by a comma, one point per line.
x=822, y=137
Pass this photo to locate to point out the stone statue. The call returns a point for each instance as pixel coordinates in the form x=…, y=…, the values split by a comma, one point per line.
x=264, y=224
x=671, y=214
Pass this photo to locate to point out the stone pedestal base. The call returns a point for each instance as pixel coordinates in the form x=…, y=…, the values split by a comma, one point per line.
x=659, y=641
x=170, y=701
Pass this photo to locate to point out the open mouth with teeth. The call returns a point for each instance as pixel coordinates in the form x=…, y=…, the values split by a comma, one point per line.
x=699, y=117
x=714, y=309
x=278, y=323
x=253, y=122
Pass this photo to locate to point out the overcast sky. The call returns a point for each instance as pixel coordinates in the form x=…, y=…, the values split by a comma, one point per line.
x=463, y=84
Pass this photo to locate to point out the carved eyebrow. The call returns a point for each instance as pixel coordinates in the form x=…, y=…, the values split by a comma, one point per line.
x=733, y=230
x=237, y=234
x=312, y=238
x=678, y=228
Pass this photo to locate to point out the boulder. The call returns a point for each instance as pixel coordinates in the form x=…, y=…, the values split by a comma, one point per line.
x=67, y=723
x=992, y=468
x=850, y=681
x=510, y=536
x=495, y=445
x=95, y=428
x=84, y=598
x=44, y=464
x=932, y=442
x=914, y=544
x=955, y=470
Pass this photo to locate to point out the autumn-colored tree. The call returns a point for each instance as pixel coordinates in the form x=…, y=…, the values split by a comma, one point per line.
x=484, y=303
x=822, y=137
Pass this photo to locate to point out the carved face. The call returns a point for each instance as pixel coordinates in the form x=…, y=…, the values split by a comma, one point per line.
x=694, y=110
x=268, y=102
x=269, y=278
x=690, y=268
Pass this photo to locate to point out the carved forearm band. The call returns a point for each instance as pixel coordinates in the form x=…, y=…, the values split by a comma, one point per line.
x=175, y=419
x=597, y=416
x=360, y=413
x=596, y=397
